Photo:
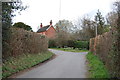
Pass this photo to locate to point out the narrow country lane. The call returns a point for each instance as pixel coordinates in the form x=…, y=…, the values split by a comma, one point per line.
x=65, y=65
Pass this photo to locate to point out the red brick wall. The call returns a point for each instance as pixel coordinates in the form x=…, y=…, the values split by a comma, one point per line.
x=50, y=33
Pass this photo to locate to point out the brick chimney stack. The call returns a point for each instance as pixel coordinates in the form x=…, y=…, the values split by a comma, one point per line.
x=41, y=25
x=50, y=22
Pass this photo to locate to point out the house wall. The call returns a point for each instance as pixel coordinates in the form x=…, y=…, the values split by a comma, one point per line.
x=50, y=33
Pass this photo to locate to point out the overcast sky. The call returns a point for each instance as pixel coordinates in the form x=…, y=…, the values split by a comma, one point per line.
x=42, y=11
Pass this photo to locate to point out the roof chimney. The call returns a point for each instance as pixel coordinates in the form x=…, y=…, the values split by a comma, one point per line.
x=50, y=22
x=41, y=25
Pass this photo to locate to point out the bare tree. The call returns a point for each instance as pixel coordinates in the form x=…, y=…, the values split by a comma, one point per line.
x=112, y=19
x=87, y=29
x=64, y=31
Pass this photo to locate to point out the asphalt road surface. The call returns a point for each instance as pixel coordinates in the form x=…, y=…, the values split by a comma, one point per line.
x=65, y=65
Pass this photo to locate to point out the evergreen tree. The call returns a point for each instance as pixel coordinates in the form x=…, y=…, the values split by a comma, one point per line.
x=22, y=25
x=100, y=22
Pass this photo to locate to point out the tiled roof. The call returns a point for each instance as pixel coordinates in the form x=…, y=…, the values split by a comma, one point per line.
x=43, y=28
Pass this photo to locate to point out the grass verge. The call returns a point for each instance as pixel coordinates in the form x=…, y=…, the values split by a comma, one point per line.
x=97, y=68
x=70, y=49
x=14, y=65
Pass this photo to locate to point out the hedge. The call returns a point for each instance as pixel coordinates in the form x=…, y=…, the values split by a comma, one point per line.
x=82, y=44
x=70, y=43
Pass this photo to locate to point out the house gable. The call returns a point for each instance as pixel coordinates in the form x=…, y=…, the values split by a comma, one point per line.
x=48, y=30
x=51, y=32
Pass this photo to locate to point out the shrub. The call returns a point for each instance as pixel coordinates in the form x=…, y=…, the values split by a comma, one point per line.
x=52, y=43
x=105, y=46
x=82, y=44
x=22, y=41
x=22, y=25
x=71, y=43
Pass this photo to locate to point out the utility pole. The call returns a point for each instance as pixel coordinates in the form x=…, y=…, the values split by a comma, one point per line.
x=95, y=26
x=96, y=30
x=60, y=10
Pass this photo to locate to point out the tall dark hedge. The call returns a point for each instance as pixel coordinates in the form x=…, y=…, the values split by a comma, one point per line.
x=8, y=9
x=82, y=44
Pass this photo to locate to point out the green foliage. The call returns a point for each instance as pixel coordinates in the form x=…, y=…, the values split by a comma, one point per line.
x=82, y=45
x=106, y=28
x=52, y=43
x=22, y=25
x=100, y=22
x=107, y=46
x=8, y=9
x=97, y=68
x=115, y=51
x=16, y=64
x=71, y=43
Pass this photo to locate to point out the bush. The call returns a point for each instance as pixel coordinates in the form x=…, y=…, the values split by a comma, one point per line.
x=82, y=45
x=22, y=25
x=71, y=43
x=22, y=41
x=106, y=46
x=52, y=43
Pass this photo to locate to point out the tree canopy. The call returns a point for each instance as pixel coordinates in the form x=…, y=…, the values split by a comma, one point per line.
x=22, y=25
x=99, y=19
x=64, y=25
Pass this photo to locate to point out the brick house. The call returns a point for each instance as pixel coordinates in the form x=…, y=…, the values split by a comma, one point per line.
x=48, y=30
